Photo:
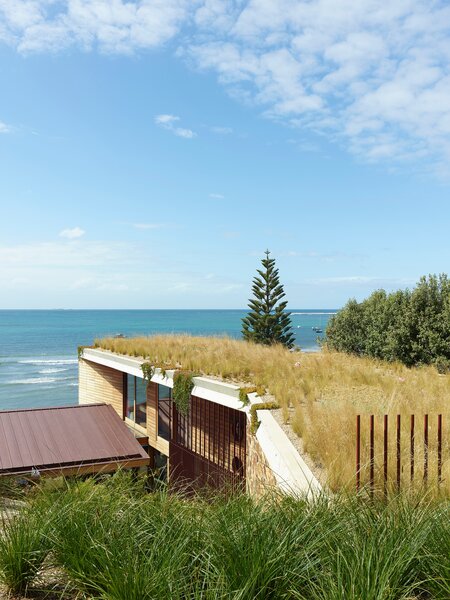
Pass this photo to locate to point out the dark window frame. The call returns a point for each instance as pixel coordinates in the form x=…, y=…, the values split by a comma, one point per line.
x=126, y=383
x=169, y=400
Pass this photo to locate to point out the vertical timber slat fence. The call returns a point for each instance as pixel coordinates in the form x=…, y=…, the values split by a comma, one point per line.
x=207, y=446
x=421, y=446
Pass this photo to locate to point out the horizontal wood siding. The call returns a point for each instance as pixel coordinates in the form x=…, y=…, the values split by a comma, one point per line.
x=100, y=384
x=152, y=413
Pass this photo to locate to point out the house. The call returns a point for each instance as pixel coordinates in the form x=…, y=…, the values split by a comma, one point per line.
x=210, y=442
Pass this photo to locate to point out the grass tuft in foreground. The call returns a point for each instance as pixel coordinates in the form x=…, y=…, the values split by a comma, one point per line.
x=112, y=541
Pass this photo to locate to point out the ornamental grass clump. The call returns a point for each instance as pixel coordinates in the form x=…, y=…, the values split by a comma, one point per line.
x=374, y=550
x=24, y=546
x=435, y=563
x=111, y=540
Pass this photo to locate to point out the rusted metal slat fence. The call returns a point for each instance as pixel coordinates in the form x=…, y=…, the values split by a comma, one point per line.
x=416, y=443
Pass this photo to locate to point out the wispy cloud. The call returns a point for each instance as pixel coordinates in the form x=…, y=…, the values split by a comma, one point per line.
x=112, y=26
x=215, y=196
x=221, y=130
x=327, y=257
x=148, y=225
x=102, y=274
x=369, y=75
x=72, y=234
x=57, y=254
x=4, y=128
x=169, y=122
x=362, y=280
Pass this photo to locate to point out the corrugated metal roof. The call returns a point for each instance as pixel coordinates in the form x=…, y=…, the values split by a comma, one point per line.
x=65, y=439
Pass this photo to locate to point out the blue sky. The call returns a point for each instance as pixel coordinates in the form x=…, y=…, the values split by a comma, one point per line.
x=150, y=151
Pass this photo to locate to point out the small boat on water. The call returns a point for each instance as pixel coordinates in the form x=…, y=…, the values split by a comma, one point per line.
x=119, y=335
x=317, y=329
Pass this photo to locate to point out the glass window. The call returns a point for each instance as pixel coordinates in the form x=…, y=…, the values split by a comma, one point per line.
x=131, y=396
x=136, y=400
x=141, y=401
x=164, y=400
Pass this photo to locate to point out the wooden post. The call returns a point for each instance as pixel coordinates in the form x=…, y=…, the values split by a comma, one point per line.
x=439, y=450
x=372, y=456
x=425, y=448
x=398, y=452
x=358, y=452
x=385, y=454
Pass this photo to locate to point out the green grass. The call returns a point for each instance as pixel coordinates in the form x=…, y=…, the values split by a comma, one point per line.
x=24, y=546
x=111, y=541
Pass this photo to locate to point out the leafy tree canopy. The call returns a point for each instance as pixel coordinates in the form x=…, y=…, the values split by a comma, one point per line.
x=410, y=326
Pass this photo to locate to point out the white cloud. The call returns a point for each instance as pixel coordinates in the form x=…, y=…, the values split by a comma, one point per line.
x=4, y=128
x=360, y=280
x=184, y=133
x=148, y=225
x=116, y=26
x=222, y=130
x=79, y=253
x=72, y=234
x=168, y=122
x=217, y=196
x=371, y=75
x=102, y=274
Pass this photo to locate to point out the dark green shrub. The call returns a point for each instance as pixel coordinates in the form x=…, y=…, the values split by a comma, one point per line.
x=412, y=327
x=442, y=365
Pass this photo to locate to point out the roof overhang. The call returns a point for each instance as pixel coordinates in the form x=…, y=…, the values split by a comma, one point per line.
x=70, y=440
x=207, y=388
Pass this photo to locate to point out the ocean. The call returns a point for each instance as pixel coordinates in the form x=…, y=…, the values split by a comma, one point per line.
x=38, y=348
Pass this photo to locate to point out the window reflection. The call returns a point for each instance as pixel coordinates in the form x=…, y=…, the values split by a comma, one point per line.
x=136, y=400
x=130, y=396
x=141, y=401
x=164, y=400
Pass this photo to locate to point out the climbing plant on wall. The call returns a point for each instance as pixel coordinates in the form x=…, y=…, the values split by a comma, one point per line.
x=183, y=384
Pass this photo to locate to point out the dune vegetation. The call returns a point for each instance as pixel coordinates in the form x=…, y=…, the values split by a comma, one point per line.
x=109, y=539
x=320, y=395
x=407, y=326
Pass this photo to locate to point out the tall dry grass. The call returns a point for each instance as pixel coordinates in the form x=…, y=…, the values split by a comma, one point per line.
x=320, y=394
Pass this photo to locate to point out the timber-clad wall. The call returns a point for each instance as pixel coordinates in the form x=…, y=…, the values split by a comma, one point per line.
x=100, y=384
x=152, y=413
x=209, y=432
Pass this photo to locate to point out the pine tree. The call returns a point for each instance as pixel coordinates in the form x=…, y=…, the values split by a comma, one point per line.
x=268, y=322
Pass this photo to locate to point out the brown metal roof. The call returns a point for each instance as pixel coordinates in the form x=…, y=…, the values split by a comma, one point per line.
x=83, y=438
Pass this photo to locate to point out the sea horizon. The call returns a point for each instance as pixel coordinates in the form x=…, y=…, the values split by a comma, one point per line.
x=38, y=356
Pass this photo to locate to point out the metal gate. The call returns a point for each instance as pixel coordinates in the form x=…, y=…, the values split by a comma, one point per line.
x=207, y=446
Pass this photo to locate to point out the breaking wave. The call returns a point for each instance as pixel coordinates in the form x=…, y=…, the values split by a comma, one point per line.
x=32, y=381
x=49, y=361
